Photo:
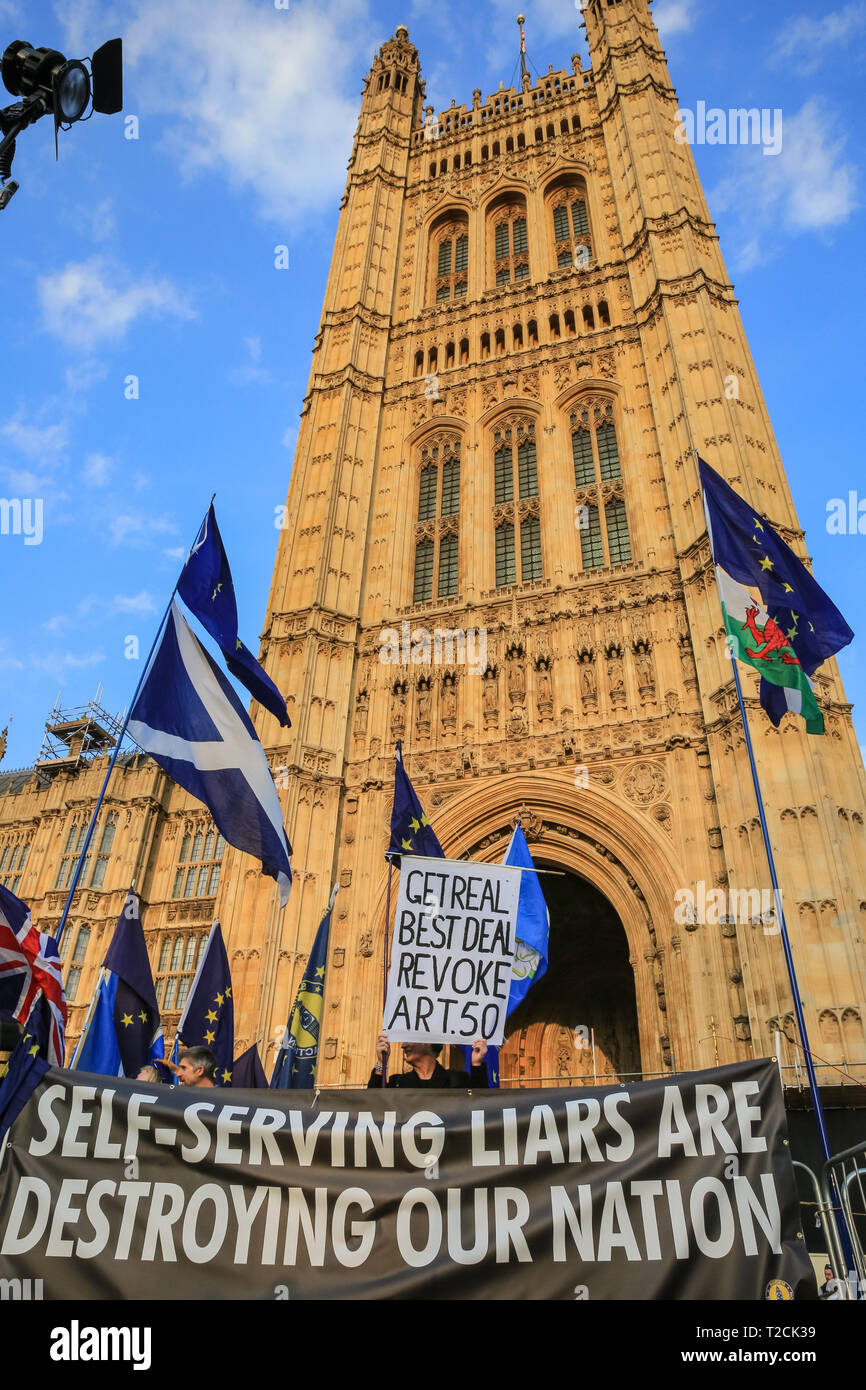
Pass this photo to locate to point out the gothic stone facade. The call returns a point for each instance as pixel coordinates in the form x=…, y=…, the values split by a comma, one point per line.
x=527, y=326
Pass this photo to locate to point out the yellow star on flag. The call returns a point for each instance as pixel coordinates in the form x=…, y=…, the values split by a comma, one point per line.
x=143, y=1016
x=229, y=992
x=320, y=970
x=758, y=524
x=211, y=1016
x=227, y=1076
x=407, y=844
x=126, y=1020
x=424, y=820
x=789, y=588
x=415, y=823
x=766, y=563
x=34, y=1050
x=215, y=592
x=220, y=999
x=209, y=1036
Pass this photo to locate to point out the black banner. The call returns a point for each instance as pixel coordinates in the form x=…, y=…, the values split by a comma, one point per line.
x=679, y=1188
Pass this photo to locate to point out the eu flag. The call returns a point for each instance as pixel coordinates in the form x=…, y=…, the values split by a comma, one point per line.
x=248, y=1074
x=206, y=587
x=411, y=831
x=295, y=1067
x=777, y=617
x=26, y=1066
x=134, y=1008
x=208, y=1019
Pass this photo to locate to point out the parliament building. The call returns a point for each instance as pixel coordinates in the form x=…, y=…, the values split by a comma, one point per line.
x=495, y=551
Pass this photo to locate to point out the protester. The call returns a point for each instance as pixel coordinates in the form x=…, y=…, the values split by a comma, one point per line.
x=196, y=1067
x=149, y=1074
x=830, y=1287
x=426, y=1069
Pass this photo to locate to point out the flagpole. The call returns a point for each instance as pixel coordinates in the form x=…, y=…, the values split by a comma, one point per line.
x=92, y=826
x=385, y=961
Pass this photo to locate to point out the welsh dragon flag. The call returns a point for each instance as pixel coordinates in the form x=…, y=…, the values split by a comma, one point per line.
x=778, y=619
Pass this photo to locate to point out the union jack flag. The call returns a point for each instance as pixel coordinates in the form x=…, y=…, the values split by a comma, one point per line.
x=30, y=967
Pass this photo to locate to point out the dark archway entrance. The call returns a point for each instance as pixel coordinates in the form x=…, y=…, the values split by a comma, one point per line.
x=588, y=990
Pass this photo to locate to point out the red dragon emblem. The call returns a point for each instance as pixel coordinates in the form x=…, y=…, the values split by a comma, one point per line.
x=771, y=640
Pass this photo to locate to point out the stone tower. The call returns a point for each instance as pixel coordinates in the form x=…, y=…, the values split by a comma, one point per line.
x=526, y=328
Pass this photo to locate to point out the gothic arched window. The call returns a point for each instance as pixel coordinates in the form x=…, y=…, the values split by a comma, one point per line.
x=568, y=211
x=449, y=244
x=599, y=486
x=436, y=531
x=516, y=518
x=510, y=243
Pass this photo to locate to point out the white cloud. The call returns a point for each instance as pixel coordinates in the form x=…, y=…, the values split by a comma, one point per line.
x=807, y=187
x=674, y=17
x=97, y=470
x=805, y=41
x=137, y=529
x=80, y=376
x=142, y=602
x=36, y=441
x=264, y=99
x=250, y=372
x=96, y=300
x=175, y=552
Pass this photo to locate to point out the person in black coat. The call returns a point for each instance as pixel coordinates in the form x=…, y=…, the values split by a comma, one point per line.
x=427, y=1070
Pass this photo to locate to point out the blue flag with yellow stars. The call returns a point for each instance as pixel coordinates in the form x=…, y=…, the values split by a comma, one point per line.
x=777, y=617
x=26, y=1066
x=295, y=1067
x=135, y=1011
x=411, y=831
x=208, y=1019
x=206, y=587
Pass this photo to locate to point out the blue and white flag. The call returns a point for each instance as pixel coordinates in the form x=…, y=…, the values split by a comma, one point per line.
x=190, y=720
x=124, y=1033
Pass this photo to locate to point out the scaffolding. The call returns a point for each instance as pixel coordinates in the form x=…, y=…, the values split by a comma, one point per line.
x=77, y=735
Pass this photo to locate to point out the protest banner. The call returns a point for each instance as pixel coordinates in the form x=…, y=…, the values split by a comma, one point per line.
x=677, y=1188
x=452, y=953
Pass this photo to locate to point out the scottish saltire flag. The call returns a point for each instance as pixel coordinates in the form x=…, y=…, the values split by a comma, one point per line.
x=30, y=966
x=136, y=1012
x=778, y=619
x=248, y=1073
x=188, y=717
x=206, y=587
x=208, y=1019
x=98, y=1049
x=26, y=1067
x=295, y=1067
x=411, y=831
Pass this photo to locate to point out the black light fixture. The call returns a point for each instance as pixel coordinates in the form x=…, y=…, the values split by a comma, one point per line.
x=48, y=81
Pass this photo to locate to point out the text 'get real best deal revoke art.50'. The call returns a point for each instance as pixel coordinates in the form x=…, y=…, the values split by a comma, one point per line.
x=452, y=952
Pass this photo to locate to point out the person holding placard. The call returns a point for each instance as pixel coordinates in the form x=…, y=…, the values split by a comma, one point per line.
x=426, y=1069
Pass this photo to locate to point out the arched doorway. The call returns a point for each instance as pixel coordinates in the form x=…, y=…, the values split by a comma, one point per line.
x=586, y=996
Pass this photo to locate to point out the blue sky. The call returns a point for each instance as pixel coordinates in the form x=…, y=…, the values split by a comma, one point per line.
x=154, y=257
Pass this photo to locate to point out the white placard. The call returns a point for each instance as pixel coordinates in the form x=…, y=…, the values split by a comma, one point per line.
x=452, y=951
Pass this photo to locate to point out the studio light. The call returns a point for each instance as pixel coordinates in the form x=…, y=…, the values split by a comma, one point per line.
x=47, y=81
